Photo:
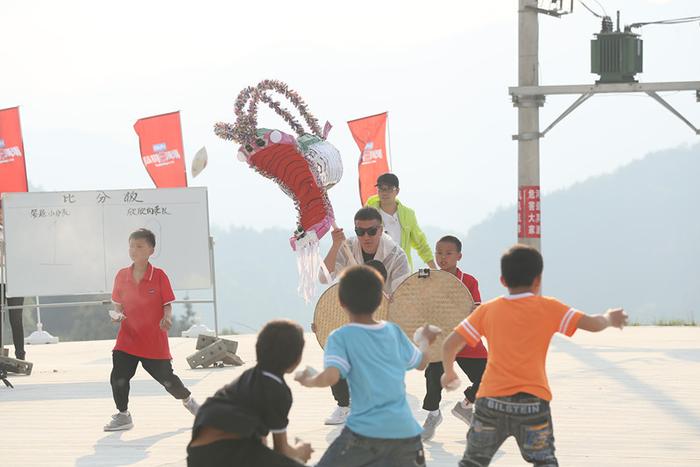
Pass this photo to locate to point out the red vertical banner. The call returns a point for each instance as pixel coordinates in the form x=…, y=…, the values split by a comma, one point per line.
x=529, y=211
x=162, y=153
x=370, y=135
x=13, y=170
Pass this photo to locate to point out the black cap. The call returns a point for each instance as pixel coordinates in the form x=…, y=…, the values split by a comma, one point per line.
x=388, y=179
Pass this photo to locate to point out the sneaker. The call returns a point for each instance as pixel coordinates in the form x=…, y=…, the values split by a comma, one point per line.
x=191, y=405
x=338, y=416
x=429, y=426
x=464, y=412
x=120, y=421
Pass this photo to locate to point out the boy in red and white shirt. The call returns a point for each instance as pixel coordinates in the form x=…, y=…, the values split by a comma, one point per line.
x=142, y=296
x=472, y=360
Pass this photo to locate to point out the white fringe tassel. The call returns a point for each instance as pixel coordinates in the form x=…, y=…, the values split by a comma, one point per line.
x=309, y=262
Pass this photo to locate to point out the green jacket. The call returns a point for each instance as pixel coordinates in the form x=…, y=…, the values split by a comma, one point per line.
x=411, y=235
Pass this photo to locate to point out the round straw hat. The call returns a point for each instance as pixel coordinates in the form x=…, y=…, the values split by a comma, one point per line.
x=433, y=297
x=329, y=315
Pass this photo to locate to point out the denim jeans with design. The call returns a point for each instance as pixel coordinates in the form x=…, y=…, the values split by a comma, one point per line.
x=352, y=450
x=523, y=416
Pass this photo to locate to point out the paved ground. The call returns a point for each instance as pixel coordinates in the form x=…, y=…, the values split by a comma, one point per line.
x=620, y=398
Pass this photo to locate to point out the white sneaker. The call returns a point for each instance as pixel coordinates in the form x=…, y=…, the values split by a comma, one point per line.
x=464, y=412
x=338, y=416
x=119, y=422
x=429, y=426
x=191, y=405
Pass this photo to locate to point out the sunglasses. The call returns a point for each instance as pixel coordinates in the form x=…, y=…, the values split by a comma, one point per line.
x=372, y=231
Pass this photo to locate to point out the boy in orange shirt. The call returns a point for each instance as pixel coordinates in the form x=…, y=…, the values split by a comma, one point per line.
x=514, y=395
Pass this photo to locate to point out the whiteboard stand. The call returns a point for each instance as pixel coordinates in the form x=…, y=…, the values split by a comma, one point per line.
x=213, y=285
x=196, y=329
x=40, y=336
x=37, y=223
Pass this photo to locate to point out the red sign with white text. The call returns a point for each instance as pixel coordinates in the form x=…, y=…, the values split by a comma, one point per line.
x=370, y=135
x=529, y=212
x=13, y=170
x=162, y=153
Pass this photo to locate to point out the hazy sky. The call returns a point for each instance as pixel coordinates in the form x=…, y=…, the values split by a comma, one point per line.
x=84, y=72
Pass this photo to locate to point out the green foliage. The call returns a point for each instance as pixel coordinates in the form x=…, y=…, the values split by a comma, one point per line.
x=669, y=322
x=184, y=321
x=674, y=322
x=79, y=322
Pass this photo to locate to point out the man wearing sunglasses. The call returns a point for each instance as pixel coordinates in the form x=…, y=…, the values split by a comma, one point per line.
x=371, y=243
x=399, y=220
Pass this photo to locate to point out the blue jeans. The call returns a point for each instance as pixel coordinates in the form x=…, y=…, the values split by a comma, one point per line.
x=523, y=416
x=350, y=449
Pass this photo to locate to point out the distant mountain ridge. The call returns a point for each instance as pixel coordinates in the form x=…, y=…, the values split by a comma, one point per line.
x=628, y=238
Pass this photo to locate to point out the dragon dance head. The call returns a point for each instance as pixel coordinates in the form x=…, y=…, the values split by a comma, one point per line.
x=304, y=167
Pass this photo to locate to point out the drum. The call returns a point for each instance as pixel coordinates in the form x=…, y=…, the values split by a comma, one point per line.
x=329, y=315
x=433, y=297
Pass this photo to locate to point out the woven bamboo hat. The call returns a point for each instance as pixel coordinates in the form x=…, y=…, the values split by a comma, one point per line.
x=329, y=315
x=433, y=297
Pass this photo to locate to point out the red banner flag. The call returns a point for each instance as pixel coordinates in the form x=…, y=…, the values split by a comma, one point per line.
x=160, y=141
x=13, y=171
x=370, y=135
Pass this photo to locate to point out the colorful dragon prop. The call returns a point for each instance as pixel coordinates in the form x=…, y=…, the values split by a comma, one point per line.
x=304, y=167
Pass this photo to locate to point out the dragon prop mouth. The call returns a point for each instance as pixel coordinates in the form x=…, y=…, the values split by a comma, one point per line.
x=300, y=175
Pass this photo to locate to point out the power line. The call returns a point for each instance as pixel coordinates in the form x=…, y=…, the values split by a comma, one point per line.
x=597, y=15
x=688, y=19
x=602, y=7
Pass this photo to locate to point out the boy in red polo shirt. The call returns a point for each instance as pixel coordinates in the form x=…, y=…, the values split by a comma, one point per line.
x=472, y=360
x=142, y=296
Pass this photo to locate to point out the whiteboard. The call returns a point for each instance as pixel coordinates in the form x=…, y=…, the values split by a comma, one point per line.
x=74, y=242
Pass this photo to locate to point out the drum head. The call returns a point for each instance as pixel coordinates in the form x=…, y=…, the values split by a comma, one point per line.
x=329, y=315
x=438, y=298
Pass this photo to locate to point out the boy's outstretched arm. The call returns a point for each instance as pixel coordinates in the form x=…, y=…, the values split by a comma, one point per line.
x=452, y=345
x=324, y=379
x=301, y=452
x=614, y=317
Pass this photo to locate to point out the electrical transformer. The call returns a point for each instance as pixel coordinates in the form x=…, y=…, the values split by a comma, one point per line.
x=616, y=55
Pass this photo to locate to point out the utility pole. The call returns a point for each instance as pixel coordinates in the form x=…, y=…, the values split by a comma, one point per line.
x=528, y=126
x=616, y=68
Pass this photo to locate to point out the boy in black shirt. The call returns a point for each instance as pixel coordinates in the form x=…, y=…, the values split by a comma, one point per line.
x=231, y=427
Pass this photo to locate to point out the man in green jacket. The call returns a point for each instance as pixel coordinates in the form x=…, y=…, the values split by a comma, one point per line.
x=400, y=221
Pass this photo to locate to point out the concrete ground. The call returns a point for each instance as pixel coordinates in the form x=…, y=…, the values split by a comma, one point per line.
x=620, y=398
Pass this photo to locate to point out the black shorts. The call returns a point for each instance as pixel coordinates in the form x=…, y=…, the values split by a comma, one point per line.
x=237, y=452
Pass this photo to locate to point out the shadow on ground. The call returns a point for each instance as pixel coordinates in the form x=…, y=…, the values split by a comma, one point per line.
x=112, y=451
